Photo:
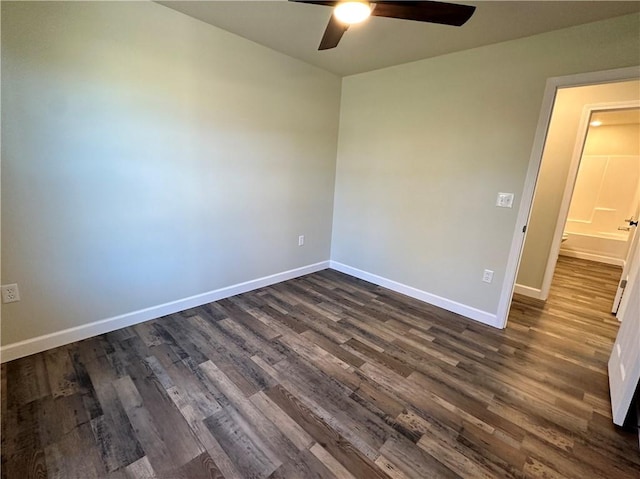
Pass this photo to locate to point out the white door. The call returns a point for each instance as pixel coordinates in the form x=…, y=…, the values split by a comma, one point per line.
x=624, y=363
x=632, y=240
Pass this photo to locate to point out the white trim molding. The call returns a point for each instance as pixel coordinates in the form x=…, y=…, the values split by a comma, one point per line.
x=592, y=257
x=444, y=303
x=528, y=291
x=77, y=333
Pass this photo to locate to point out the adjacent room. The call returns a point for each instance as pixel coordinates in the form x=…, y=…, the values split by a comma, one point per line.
x=249, y=240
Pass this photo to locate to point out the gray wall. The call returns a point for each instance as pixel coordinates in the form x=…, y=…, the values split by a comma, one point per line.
x=148, y=157
x=425, y=147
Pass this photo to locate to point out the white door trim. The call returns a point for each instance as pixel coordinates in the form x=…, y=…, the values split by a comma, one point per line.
x=524, y=211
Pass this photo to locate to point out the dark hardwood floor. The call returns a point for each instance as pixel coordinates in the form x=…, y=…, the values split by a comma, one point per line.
x=328, y=376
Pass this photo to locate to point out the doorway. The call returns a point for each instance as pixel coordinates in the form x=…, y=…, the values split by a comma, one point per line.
x=555, y=87
x=605, y=192
x=587, y=192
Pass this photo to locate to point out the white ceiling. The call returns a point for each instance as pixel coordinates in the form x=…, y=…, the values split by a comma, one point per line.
x=296, y=29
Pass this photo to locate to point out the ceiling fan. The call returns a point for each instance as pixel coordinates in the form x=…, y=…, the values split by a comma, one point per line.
x=349, y=12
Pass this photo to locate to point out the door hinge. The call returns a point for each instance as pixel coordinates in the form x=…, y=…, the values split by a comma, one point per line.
x=524, y=229
x=623, y=284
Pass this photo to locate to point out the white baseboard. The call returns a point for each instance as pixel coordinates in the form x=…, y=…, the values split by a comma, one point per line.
x=528, y=291
x=592, y=257
x=66, y=336
x=444, y=303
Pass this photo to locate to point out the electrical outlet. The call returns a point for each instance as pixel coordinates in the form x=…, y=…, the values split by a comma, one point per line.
x=301, y=240
x=505, y=200
x=10, y=293
x=487, y=276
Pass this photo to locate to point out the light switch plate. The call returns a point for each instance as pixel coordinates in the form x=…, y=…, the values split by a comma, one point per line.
x=505, y=200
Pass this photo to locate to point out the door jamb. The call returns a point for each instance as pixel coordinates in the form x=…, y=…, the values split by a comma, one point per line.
x=524, y=211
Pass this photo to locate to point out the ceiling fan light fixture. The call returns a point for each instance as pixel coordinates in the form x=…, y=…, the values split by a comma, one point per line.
x=352, y=12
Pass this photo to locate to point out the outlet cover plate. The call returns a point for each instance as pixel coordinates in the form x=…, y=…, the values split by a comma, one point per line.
x=505, y=200
x=10, y=293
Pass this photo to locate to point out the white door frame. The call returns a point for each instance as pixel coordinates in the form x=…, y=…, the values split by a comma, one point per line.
x=572, y=176
x=524, y=211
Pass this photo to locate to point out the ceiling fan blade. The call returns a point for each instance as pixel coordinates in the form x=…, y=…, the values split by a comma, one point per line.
x=314, y=2
x=332, y=34
x=419, y=11
x=425, y=11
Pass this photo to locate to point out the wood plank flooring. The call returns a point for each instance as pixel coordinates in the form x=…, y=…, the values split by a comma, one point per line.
x=327, y=376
